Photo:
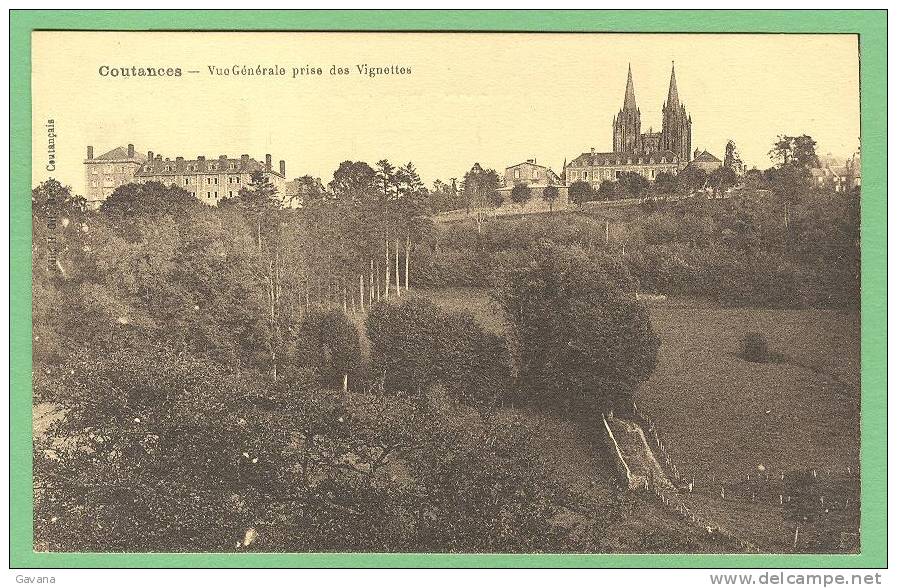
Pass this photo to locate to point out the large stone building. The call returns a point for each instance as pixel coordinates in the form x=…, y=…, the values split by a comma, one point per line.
x=648, y=154
x=209, y=180
x=109, y=171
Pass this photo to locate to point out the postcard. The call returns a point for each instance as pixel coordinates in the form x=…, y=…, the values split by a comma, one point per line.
x=427, y=294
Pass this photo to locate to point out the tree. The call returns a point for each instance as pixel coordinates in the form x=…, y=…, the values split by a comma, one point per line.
x=496, y=199
x=415, y=344
x=52, y=199
x=353, y=182
x=151, y=198
x=309, y=191
x=583, y=340
x=665, y=183
x=549, y=195
x=580, y=192
x=610, y=190
x=799, y=151
x=722, y=178
x=326, y=343
x=691, y=179
x=520, y=193
x=478, y=186
x=633, y=184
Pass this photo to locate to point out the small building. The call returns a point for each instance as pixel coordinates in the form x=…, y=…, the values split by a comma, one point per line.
x=840, y=178
x=704, y=160
x=211, y=180
x=536, y=177
x=107, y=172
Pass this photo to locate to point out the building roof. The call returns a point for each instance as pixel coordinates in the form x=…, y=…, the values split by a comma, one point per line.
x=525, y=163
x=121, y=154
x=181, y=166
x=588, y=158
x=707, y=157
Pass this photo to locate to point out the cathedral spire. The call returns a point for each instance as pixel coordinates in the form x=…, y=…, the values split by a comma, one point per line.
x=629, y=100
x=673, y=95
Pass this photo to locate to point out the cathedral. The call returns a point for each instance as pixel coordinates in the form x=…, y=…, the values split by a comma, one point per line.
x=648, y=154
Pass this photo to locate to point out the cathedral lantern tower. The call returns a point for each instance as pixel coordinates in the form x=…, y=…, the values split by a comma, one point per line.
x=676, y=133
x=628, y=123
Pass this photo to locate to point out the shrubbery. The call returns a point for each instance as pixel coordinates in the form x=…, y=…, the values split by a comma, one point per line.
x=415, y=344
x=584, y=342
x=737, y=251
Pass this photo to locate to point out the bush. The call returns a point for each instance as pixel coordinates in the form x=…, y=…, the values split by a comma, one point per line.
x=755, y=347
x=415, y=344
x=325, y=348
x=584, y=342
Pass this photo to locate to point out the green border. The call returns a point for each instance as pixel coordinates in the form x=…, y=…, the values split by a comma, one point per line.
x=870, y=25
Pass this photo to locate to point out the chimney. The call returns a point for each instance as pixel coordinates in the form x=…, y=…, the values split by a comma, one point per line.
x=149, y=155
x=244, y=160
x=593, y=151
x=130, y=151
x=267, y=162
x=90, y=152
x=283, y=168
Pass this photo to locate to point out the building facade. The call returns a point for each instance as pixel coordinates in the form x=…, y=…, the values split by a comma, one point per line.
x=210, y=180
x=110, y=170
x=536, y=177
x=594, y=168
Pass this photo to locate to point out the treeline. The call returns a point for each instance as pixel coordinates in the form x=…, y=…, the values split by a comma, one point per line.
x=751, y=249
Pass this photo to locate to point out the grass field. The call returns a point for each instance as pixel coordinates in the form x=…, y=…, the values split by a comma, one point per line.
x=723, y=416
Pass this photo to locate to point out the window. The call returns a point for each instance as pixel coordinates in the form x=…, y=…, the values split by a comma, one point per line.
x=233, y=166
x=213, y=166
x=167, y=168
x=516, y=174
x=209, y=181
x=94, y=171
x=186, y=181
x=573, y=174
x=585, y=175
x=108, y=169
x=216, y=181
x=93, y=183
x=231, y=193
x=535, y=174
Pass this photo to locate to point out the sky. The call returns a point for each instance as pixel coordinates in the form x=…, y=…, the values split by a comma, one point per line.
x=493, y=98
